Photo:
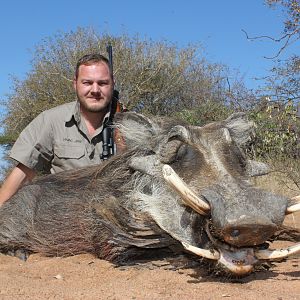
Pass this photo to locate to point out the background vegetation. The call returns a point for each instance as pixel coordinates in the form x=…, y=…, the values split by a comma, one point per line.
x=152, y=77
x=158, y=78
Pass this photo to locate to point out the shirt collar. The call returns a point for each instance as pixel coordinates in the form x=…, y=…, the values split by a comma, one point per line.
x=74, y=113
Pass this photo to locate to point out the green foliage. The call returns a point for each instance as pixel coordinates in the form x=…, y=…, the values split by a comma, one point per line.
x=278, y=127
x=206, y=113
x=277, y=132
x=7, y=140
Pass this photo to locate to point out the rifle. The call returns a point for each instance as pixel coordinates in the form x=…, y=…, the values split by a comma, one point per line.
x=109, y=147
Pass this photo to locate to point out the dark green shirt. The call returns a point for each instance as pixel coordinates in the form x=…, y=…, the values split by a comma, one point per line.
x=58, y=140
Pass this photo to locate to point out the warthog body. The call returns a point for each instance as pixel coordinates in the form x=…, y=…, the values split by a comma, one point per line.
x=127, y=206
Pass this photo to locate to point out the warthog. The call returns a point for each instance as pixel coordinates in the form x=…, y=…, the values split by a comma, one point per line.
x=175, y=188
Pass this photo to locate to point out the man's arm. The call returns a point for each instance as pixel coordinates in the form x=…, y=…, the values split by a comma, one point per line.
x=18, y=176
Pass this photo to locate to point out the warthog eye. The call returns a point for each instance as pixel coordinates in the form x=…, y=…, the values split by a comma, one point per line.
x=235, y=159
x=188, y=158
x=181, y=152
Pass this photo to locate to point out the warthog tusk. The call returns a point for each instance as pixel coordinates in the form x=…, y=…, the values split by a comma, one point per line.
x=275, y=254
x=209, y=254
x=294, y=207
x=188, y=196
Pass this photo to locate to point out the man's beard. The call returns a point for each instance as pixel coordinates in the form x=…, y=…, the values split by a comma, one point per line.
x=95, y=108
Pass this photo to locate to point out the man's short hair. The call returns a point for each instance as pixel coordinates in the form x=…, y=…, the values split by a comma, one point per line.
x=90, y=59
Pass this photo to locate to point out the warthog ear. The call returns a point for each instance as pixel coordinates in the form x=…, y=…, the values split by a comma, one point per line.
x=176, y=137
x=256, y=168
x=240, y=128
x=133, y=117
x=136, y=129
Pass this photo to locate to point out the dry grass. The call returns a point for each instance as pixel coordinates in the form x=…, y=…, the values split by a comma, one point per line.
x=284, y=179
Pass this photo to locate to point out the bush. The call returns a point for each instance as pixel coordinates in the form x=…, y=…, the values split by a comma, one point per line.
x=277, y=132
x=154, y=78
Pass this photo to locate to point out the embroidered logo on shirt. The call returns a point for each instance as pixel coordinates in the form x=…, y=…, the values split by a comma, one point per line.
x=71, y=140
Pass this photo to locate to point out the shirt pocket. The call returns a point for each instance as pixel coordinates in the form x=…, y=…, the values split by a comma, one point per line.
x=69, y=151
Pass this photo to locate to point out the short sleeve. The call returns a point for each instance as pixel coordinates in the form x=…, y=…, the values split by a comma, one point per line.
x=33, y=148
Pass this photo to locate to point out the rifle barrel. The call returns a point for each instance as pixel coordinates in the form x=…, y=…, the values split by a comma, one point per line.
x=110, y=58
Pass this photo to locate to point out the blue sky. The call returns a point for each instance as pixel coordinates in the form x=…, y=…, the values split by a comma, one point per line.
x=217, y=25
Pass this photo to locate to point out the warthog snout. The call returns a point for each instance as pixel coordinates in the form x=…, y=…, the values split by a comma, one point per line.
x=243, y=216
x=248, y=232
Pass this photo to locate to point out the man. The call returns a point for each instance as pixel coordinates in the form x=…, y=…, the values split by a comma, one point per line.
x=68, y=136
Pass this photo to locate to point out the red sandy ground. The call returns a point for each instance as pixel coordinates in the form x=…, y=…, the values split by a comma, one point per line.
x=86, y=277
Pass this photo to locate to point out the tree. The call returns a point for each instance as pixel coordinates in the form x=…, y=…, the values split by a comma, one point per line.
x=291, y=27
x=152, y=77
x=277, y=115
x=291, y=31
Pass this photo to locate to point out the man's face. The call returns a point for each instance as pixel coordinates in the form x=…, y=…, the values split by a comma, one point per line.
x=94, y=87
